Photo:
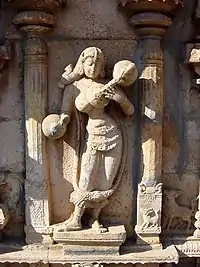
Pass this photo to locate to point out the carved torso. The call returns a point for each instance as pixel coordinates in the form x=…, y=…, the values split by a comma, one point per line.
x=103, y=133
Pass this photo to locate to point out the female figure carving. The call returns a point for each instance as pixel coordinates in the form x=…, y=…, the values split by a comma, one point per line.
x=103, y=153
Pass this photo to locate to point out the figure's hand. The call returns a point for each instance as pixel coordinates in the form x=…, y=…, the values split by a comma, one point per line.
x=107, y=89
x=115, y=95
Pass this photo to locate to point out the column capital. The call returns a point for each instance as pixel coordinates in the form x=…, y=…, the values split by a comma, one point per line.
x=151, y=17
x=35, y=17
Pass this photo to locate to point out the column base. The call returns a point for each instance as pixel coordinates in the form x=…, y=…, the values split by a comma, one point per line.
x=148, y=240
x=42, y=235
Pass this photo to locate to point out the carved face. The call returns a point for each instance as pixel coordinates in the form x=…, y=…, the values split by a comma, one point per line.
x=92, y=67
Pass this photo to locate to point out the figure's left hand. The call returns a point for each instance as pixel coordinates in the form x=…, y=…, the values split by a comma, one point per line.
x=115, y=94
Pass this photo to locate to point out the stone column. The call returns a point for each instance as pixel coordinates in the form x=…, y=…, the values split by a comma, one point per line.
x=150, y=20
x=34, y=23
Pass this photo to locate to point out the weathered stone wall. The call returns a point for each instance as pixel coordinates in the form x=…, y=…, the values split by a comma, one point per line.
x=12, y=141
x=181, y=113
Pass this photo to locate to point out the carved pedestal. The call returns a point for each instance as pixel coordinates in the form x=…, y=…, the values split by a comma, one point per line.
x=88, y=242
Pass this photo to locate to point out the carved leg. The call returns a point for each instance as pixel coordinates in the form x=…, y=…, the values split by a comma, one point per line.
x=70, y=219
x=75, y=222
x=143, y=225
x=94, y=221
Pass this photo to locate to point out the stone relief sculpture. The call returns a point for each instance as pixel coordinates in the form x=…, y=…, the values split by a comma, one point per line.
x=4, y=210
x=151, y=218
x=172, y=210
x=103, y=150
x=149, y=213
x=4, y=216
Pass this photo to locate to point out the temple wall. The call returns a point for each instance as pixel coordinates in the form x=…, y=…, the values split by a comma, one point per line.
x=163, y=135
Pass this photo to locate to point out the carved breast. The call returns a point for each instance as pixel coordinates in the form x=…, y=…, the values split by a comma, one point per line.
x=92, y=93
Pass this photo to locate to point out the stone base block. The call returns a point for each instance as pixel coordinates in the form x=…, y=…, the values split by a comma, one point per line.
x=88, y=241
x=38, y=235
x=151, y=240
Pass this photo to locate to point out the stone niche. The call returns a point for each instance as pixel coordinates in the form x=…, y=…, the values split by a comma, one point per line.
x=62, y=152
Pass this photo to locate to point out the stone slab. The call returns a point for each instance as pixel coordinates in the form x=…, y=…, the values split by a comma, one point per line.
x=89, y=242
x=54, y=254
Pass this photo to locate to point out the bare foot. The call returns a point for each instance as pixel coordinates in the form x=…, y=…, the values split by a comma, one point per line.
x=73, y=225
x=69, y=220
x=62, y=225
x=97, y=227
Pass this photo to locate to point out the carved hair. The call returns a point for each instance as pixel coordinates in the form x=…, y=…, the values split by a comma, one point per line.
x=78, y=72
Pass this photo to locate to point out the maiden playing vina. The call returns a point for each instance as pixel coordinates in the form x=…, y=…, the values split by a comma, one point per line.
x=103, y=150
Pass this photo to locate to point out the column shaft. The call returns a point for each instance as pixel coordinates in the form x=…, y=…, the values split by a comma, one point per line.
x=149, y=202
x=36, y=184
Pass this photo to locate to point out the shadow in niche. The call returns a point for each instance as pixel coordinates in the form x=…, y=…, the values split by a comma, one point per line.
x=62, y=154
x=4, y=249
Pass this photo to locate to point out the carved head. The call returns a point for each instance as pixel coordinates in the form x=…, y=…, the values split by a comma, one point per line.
x=91, y=63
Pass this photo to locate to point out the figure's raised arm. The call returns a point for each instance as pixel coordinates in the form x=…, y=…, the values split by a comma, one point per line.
x=127, y=107
x=124, y=74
